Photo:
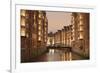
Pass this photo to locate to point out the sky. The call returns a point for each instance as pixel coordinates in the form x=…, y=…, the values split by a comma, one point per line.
x=57, y=20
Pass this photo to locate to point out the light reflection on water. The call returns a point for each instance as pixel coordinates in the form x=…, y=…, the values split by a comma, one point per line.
x=67, y=56
x=63, y=55
x=51, y=51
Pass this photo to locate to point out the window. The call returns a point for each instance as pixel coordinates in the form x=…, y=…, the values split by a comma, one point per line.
x=39, y=38
x=39, y=27
x=23, y=12
x=80, y=23
x=40, y=15
x=34, y=16
x=22, y=31
x=22, y=21
x=39, y=33
x=81, y=35
x=39, y=21
x=80, y=16
x=81, y=28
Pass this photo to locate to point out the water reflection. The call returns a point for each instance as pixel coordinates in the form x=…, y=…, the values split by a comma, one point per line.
x=51, y=51
x=66, y=56
x=58, y=55
x=61, y=55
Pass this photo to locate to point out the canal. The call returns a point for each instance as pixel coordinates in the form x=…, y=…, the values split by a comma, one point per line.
x=58, y=55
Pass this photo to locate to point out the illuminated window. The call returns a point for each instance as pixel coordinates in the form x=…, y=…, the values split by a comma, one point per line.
x=80, y=16
x=22, y=22
x=39, y=38
x=23, y=12
x=81, y=28
x=22, y=31
x=81, y=35
x=39, y=27
x=39, y=21
x=40, y=15
x=39, y=33
x=80, y=22
x=34, y=16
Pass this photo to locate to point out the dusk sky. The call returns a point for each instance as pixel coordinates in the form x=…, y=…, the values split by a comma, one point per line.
x=56, y=20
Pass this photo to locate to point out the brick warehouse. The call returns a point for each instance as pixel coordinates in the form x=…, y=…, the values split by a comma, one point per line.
x=80, y=33
x=34, y=29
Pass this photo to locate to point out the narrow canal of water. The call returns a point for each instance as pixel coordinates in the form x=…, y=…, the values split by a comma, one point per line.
x=58, y=55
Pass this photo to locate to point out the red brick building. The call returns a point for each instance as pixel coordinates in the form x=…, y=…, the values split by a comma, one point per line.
x=80, y=30
x=34, y=29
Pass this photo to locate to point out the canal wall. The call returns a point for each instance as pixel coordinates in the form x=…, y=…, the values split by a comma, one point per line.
x=81, y=53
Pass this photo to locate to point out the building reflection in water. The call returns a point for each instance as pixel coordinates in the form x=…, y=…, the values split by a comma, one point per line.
x=61, y=55
x=51, y=51
x=67, y=56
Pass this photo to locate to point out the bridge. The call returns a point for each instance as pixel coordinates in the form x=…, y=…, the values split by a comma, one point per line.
x=64, y=48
